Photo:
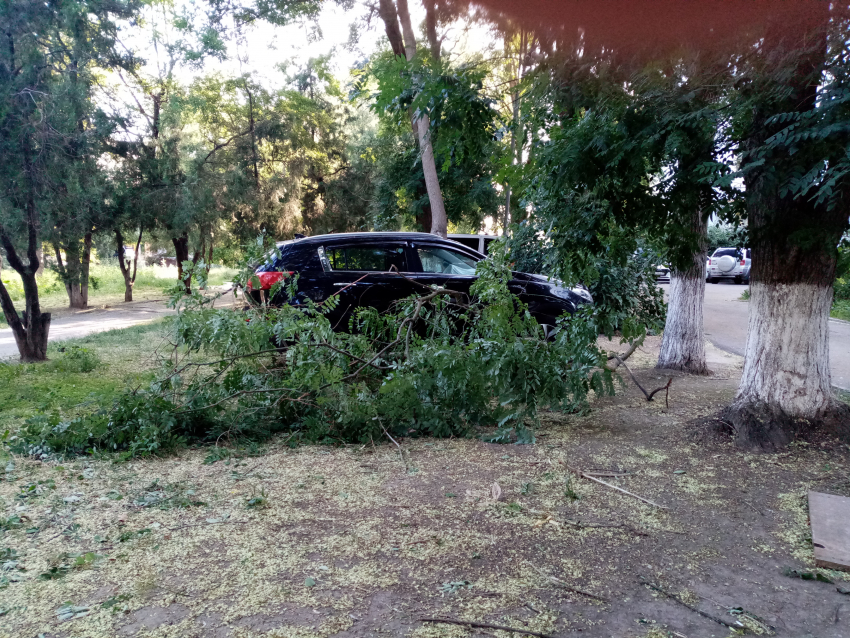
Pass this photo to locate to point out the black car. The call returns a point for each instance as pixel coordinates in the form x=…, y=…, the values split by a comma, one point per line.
x=360, y=268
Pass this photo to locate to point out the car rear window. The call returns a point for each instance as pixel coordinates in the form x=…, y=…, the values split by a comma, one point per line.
x=727, y=252
x=291, y=259
x=367, y=258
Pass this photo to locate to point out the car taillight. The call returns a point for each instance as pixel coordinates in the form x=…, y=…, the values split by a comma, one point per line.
x=269, y=279
x=743, y=262
x=709, y=262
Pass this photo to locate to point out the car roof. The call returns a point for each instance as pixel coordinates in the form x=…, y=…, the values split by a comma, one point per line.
x=340, y=237
x=337, y=238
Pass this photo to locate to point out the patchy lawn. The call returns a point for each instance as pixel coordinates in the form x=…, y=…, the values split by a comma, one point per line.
x=362, y=541
x=116, y=359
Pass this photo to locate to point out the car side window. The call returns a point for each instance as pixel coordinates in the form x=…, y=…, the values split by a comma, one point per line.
x=367, y=258
x=444, y=261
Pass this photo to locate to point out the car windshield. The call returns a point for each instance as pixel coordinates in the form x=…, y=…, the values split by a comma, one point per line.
x=447, y=262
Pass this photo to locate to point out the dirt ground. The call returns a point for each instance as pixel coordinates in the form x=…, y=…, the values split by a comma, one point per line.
x=362, y=541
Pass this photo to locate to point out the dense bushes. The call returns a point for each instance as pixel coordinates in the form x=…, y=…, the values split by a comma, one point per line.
x=436, y=365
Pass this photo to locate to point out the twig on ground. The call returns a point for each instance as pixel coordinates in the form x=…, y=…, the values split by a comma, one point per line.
x=581, y=474
x=482, y=625
x=174, y=529
x=691, y=607
x=563, y=585
x=623, y=526
x=400, y=451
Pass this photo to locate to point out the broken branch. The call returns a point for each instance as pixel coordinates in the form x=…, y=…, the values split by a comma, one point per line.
x=482, y=625
x=581, y=474
x=684, y=604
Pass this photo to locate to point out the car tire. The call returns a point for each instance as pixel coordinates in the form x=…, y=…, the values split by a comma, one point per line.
x=738, y=280
x=713, y=280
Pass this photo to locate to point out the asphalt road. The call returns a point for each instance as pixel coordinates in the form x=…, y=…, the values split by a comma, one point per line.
x=726, y=327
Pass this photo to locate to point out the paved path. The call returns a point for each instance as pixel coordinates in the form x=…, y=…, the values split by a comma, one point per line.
x=726, y=327
x=85, y=322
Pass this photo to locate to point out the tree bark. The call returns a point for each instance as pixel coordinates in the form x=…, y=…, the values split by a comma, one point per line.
x=181, y=250
x=785, y=388
x=75, y=270
x=422, y=124
x=683, y=342
x=125, y=266
x=32, y=330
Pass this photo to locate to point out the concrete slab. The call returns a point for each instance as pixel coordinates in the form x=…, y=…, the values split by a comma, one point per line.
x=830, y=520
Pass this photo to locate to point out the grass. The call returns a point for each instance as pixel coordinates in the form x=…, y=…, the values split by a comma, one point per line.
x=119, y=358
x=106, y=285
x=840, y=309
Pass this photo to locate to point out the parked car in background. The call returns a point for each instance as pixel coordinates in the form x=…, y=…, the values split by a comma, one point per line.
x=729, y=263
x=479, y=242
x=379, y=269
x=662, y=274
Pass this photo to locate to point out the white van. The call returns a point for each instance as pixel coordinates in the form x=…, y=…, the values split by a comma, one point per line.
x=481, y=243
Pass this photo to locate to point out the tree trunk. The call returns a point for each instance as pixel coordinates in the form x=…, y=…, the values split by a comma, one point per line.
x=31, y=332
x=84, y=270
x=181, y=250
x=683, y=342
x=75, y=271
x=422, y=124
x=431, y=27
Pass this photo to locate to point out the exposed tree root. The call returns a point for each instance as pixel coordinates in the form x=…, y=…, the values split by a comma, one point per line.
x=763, y=428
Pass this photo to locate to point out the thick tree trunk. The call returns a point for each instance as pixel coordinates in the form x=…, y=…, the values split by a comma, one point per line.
x=32, y=330
x=683, y=342
x=75, y=271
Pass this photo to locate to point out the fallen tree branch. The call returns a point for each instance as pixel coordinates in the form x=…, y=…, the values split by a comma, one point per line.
x=581, y=474
x=648, y=395
x=684, y=604
x=613, y=355
x=482, y=625
x=563, y=585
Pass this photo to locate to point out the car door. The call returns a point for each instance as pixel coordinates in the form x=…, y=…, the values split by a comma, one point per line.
x=366, y=274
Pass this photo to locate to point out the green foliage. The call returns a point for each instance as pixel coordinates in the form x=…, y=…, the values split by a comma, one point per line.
x=436, y=365
x=724, y=235
x=625, y=296
x=463, y=131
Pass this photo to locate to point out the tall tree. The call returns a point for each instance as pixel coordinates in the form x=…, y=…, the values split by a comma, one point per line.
x=46, y=68
x=420, y=121
x=794, y=139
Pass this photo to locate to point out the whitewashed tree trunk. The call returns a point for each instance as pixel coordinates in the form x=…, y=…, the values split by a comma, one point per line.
x=786, y=377
x=683, y=342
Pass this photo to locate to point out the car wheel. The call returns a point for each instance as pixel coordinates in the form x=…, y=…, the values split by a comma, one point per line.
x=738, y=279
x=713, y=280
